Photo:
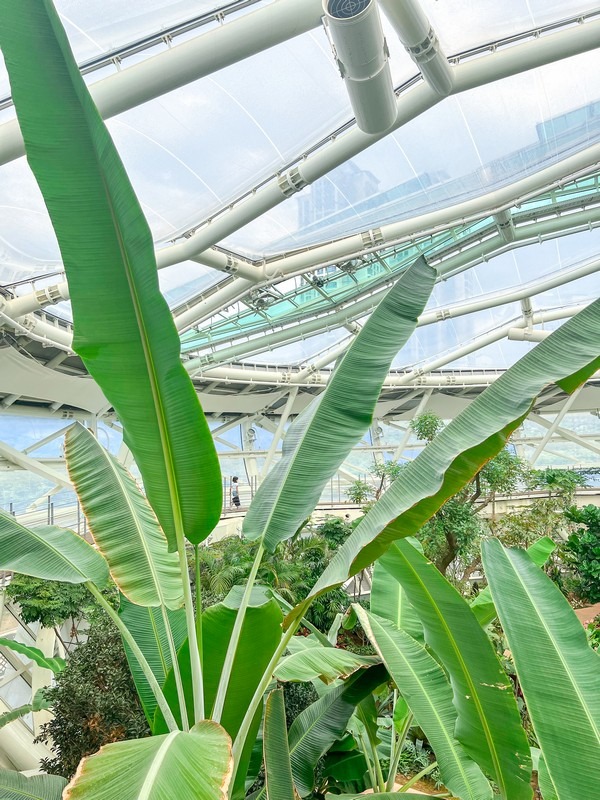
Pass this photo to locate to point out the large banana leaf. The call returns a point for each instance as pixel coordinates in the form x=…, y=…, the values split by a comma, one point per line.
x=567, y=357
x=56, y=665
x=379, y=796
x=323, y=435
x=261, y=633
x=326, y=663
x=559, y=673
x=14, y=786
x=187, y=766
x=547, y=788
x=317, y=727
x=425, y=687
x=388, y=599
x=488, y=723
x=483, y=606
x=50, y=553
x=147, y=626
x=39, y=702
x=278, y=771
x=124, y=331
x=122, y=523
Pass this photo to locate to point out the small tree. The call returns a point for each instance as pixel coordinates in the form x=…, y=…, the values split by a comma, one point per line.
x=359, y=492
x=426, y=426
x=386, y=472
x=94, y=701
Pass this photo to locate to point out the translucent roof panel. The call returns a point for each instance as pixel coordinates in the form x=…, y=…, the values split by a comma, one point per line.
x=464, y=24
x=27, y=242
x=299, y=352
x=94, y=28
x=465, y=146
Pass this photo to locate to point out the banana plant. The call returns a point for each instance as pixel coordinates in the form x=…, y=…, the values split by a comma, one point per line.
x=199, y=697
x=558, y=671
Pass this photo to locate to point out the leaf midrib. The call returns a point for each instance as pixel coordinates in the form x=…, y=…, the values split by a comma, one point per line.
x=447, y=736
x=552, y=640
x=474, y=692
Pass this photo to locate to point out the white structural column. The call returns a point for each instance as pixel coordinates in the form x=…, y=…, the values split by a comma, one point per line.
x=285, y=414
x=554, y=426
x=408, y=432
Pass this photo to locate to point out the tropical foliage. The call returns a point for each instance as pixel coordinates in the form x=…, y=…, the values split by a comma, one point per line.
x=203, y=674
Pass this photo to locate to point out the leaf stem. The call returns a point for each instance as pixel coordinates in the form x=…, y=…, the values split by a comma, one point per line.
x=198, y=599
x=418, y=777
x=240, y=739
x=235, y=638
x=176, y=670
x=132, y=644
x=190, y=620
x=399, y=744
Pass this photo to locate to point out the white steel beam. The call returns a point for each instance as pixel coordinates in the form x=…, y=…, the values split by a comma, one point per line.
x=554, y=426
x=477, y=72
x=233, y=41
x=23, y=461
x=411, y=104
x=363, y=306
x=419, y=409
x=570, y=436
x=279, y=431
x=277, y=377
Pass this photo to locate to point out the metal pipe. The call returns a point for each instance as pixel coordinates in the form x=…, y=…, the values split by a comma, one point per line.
x=418, y=37
x=362, y=57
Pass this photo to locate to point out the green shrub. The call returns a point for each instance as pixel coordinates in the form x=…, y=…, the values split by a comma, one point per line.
x=94, y=702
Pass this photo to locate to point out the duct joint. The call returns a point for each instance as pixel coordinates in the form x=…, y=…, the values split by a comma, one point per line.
x=426, y=50
x=291, y=182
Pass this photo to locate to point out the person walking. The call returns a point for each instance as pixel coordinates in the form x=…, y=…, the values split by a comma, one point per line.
x=235, y=492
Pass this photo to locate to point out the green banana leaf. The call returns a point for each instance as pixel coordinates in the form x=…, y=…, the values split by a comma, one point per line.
x=261, y=633
x=483, y=606
x=50, y=553
x=326, y=663
x=425, y=687
x=380, y=796
x=488, y=723
x=388, y=599
x=124, y=331
x=317, y=727
x=56, y=665
x=322, y=436
x=567, y=357
x=14, y=786
x=147, y=627
x=39, y=703
x=559, y=673
x=187, y=766
x=547, y=788
x=345, y=766
x=278, y=771
x=122, y=523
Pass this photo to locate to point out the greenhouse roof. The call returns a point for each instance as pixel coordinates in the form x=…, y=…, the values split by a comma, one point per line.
x=279, y=221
